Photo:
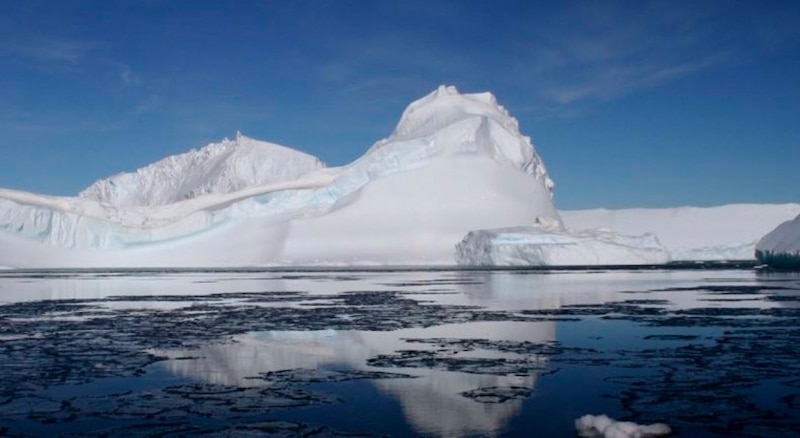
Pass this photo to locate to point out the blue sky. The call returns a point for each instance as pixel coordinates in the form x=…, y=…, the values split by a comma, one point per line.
x=631, y=104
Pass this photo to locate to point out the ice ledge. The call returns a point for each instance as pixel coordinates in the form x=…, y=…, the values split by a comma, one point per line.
x=547, y=246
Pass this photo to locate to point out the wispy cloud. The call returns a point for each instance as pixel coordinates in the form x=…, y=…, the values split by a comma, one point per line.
x=128, y=77
x=54, y=122
x=50, y=49
x=600, y=51
x=149, y=104
x=563, y=60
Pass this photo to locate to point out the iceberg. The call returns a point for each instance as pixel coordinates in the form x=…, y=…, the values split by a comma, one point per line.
x=454, y=183
x=780, y=248
x=606, y=427
x=726, y=232
x=455, y=163
x=535, y=246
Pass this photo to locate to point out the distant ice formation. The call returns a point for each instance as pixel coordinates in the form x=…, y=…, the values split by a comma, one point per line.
x=534, y=246
x=605, y=427
x=727, y=232
x=781, y=246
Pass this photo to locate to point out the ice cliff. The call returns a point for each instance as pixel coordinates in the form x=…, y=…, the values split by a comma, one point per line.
x=455, y=163
x=781, y=246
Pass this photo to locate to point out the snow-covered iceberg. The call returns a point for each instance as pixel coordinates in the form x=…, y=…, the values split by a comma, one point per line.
x=781, y=246
x=603, y=426
x=727, y=232
x=455, y=169
x=455, y=163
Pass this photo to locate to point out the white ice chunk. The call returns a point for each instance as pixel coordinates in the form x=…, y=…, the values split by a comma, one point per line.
x=540, y=246
x=606, y=427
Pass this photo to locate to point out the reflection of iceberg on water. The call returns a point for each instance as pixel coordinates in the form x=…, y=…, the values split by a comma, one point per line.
x=434, y=405
x=432, y=402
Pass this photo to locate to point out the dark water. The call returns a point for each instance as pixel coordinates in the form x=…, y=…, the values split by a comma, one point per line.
x=432, y=353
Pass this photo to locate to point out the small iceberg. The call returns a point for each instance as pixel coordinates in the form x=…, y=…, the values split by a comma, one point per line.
x=606, y=427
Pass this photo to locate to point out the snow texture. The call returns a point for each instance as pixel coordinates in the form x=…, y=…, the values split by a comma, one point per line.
x=781, y=246
x=455, y=163
x=217, y=168
x=603, y=426
x=727, y=232
x=538, y=246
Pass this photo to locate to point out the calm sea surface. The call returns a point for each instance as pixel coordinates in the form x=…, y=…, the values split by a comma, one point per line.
x=710, y=352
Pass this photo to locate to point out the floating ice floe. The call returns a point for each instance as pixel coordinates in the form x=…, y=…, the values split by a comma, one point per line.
x=551, y=246
x=606, y=427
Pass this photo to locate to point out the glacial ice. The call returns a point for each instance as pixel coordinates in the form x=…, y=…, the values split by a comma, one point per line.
x=781, y=246
x=536, y=246
x=726, y=232
x=606, y=427
x=455, y=169
x=455, y=163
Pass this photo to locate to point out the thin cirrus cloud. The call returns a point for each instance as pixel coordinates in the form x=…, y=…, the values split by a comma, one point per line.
x=590, y=54
x=128, y=77
x=50, y=49
x=612, y=79
x=563, y=61
x=568, y=75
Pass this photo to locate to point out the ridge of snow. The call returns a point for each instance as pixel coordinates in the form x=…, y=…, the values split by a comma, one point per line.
x=216, y=168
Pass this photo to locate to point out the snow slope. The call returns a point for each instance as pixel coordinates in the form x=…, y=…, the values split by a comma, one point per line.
x=781, y=246
x=217, y=168
x=455, y=163
x=727, y=232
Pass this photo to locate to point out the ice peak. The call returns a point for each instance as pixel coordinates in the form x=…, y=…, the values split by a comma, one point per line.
x=239, y=140
x=445, y=90
x=445, y=106
x=446, y=122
